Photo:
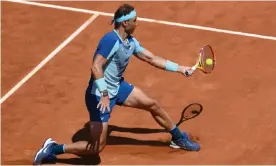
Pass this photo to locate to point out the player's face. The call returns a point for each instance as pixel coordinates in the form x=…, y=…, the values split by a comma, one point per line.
x=131, y=25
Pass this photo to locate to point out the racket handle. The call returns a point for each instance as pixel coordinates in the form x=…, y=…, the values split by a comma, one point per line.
x=194, y=68
x=188, y=73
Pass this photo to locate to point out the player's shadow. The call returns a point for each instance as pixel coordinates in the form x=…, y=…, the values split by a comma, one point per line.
x=189, y=112
x=89, y=160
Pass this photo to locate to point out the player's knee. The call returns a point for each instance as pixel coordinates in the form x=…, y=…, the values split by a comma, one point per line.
x=98, y=132
x=97, y=149
x=102, y=146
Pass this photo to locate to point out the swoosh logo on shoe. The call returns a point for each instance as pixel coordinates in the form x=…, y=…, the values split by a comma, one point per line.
x=45, y=150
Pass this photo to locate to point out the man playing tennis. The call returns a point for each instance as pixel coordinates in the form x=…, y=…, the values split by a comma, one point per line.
x=107, y=88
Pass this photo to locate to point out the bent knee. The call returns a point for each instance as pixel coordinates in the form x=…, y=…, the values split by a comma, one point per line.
x=101, y=147
x=96, y=149
x=98, y=133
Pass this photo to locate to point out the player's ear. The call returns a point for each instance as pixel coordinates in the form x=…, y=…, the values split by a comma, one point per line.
x=125, y=23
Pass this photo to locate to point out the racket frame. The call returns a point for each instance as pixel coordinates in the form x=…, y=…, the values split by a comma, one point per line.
x=199, y=62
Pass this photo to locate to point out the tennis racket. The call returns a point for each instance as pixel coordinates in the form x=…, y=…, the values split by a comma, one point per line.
x=206, y=60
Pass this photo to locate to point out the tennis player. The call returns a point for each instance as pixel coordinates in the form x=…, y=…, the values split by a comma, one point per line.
x=108, y=88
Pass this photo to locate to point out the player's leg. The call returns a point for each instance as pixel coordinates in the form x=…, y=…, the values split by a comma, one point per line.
x=98, y=128
x=98, y=131
x=138, y=99
x=51, y=149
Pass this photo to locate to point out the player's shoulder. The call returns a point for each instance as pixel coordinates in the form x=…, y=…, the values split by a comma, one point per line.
x=112, y=36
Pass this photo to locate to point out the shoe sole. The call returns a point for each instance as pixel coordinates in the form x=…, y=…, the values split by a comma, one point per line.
x=46, y=142
x=174, y=146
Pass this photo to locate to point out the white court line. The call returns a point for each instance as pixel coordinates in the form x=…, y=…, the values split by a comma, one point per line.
x=149, y=20
x=49, y=57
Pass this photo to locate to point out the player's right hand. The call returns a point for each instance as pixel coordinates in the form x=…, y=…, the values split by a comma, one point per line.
x=104, y=104
x=186, y=71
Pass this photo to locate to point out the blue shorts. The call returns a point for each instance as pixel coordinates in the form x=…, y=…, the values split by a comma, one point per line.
x=92, y=101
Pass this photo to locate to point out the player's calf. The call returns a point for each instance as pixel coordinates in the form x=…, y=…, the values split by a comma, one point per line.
x=179, y=140
x=139, y=99
x=159, y=114
x=83, y=148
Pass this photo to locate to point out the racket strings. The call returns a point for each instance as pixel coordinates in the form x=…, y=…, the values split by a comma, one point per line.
x=207, y=53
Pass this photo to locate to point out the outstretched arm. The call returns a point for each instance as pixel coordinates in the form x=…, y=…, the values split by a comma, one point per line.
x=162, y=63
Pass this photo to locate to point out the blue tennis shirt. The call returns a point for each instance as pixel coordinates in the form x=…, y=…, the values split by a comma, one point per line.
x=118, y=53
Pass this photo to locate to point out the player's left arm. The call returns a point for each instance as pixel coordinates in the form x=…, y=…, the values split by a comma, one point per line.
x=157, y=61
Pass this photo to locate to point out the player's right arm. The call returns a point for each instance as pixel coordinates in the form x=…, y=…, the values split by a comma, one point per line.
x=107, y=46
x=97, y=71
x=97, y=66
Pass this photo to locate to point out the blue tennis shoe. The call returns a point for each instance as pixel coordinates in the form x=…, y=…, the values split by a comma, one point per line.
x=185, y=143
x=45, y=153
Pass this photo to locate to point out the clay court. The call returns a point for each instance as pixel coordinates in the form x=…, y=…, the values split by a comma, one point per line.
x=237, y=124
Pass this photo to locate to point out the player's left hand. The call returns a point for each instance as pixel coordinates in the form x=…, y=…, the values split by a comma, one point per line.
x=186, y=71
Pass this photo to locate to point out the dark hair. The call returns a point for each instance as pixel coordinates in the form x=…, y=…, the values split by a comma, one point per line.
x=121, y=11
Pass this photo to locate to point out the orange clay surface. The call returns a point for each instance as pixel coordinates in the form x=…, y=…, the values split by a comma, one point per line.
x=237, y=124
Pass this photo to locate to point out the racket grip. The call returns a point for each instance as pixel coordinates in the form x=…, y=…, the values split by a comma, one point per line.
x=188, y=73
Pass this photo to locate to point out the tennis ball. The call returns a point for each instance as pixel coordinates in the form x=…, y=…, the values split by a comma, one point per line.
x=209, y=61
